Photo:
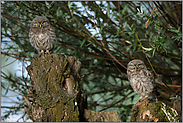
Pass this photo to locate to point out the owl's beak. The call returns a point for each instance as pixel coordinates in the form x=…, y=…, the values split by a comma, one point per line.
x=40, y=26
x=135, y=68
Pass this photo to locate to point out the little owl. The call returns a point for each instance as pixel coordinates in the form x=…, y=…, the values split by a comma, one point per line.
x=141, y=80
x=41, y=34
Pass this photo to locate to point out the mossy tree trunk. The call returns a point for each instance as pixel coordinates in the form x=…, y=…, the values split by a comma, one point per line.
x=147, y=111
x=56, y=93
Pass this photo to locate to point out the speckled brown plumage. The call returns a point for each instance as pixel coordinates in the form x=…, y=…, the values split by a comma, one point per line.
x=141, y=80
x=42, y=36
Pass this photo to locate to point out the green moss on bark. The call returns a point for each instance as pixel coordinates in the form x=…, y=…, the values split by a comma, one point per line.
x=48, y=75
x=145, y=111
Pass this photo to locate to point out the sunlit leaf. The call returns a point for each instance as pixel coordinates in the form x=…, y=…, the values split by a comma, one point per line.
x=147, y=49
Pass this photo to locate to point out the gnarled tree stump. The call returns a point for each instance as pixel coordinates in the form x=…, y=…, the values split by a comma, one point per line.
x=56, y=94
x=146, y=111
x=56, y=89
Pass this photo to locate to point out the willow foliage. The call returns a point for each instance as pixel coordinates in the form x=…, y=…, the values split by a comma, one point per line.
x=104, y=36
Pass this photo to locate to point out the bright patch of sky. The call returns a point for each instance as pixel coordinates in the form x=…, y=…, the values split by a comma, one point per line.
x=85, y=11
x=11, y=66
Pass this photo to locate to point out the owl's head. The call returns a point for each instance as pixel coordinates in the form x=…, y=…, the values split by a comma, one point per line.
x=136, y=65
x=40, y=23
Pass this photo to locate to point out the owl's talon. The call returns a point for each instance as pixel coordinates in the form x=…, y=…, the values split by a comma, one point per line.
x=42, y=51
x=156, y=99
x=140, y=99
x=47, y=51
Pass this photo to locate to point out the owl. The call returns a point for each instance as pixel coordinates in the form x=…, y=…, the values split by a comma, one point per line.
x=41, y=35
x=141, y=80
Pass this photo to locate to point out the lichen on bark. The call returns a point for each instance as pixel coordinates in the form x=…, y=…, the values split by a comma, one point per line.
x=53, y=85
x=147, y=111
x=56, y=94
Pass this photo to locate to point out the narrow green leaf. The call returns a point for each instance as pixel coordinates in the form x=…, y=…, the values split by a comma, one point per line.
x=25, y=12
x=69, y=4
x=123, y=11
x=172, y=97
x=58, y=12
x=95, y=34
x=7, y=89
x=153, y=52
x=82, y=43
x=108, y=11
x=162, y=44
x=118, y=31
x=47, y=4
x=128, y=42
x=124, y=25
x=147, y=49
x=47, y=12
x=176, y=31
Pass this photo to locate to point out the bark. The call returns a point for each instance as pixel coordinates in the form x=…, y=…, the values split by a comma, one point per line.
x=56, y=93
x=96, y=116
x=146, y=111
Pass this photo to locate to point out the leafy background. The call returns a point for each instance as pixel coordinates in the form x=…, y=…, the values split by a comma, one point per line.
x=104, y=36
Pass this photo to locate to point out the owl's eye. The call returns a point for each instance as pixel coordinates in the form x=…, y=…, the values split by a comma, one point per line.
x=43, y=22
x=36, y=24
x=131, y=66
x=139, y=65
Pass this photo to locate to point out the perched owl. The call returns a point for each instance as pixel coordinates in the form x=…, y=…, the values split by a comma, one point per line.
x=141, y=80
x=41, y=34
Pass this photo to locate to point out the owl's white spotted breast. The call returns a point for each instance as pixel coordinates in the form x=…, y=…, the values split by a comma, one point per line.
x=42, y=41
x=41, y=36
x=141, y=83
